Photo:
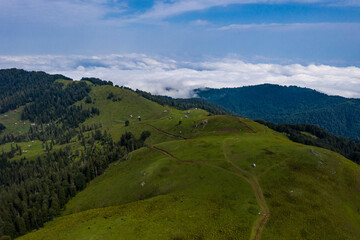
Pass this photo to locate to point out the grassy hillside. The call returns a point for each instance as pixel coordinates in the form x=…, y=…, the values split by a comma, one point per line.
x=13, y=123
x=205, y=187
x=115, y=113
x=197, y=177
x=280, y=104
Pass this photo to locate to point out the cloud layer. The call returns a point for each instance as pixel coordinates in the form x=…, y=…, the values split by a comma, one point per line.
x=166, y=76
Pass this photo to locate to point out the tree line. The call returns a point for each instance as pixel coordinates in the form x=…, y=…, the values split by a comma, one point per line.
x=97, y=81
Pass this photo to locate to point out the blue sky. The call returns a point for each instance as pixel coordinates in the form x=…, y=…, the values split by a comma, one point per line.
x=306, y=31
x=274, y=32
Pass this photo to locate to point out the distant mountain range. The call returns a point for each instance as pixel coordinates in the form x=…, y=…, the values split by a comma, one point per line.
x=281, y=104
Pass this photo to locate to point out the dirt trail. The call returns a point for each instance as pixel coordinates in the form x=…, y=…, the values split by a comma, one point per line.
x=163, y=132
x=259, y=226
x=252, y=180
x=247, y=176
x=170, y=155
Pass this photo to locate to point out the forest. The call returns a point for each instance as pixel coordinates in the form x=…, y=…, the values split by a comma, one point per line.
x=18, y=87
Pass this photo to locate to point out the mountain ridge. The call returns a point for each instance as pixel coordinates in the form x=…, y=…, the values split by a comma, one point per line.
x=290, y=104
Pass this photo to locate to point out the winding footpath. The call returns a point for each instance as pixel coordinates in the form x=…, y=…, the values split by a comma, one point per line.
x=252, y=180
x=245, y=175
x=170, y=155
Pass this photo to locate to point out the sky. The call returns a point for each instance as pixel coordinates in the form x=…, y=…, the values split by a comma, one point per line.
x=173, y=46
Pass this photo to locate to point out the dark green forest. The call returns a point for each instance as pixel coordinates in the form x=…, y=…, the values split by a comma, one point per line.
x=18, y=87
x=54, y=104
x=280, y=104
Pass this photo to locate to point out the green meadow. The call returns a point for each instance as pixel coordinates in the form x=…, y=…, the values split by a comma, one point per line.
x=207, y=177
x=13, y=123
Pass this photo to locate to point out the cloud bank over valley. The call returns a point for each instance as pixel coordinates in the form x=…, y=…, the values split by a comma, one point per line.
x=166, y=76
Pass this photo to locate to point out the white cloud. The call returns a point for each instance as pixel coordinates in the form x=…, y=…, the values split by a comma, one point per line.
x=289, y=26
x=92, y=12
x=166, y=76
x=200, y=22
x=166, y=9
